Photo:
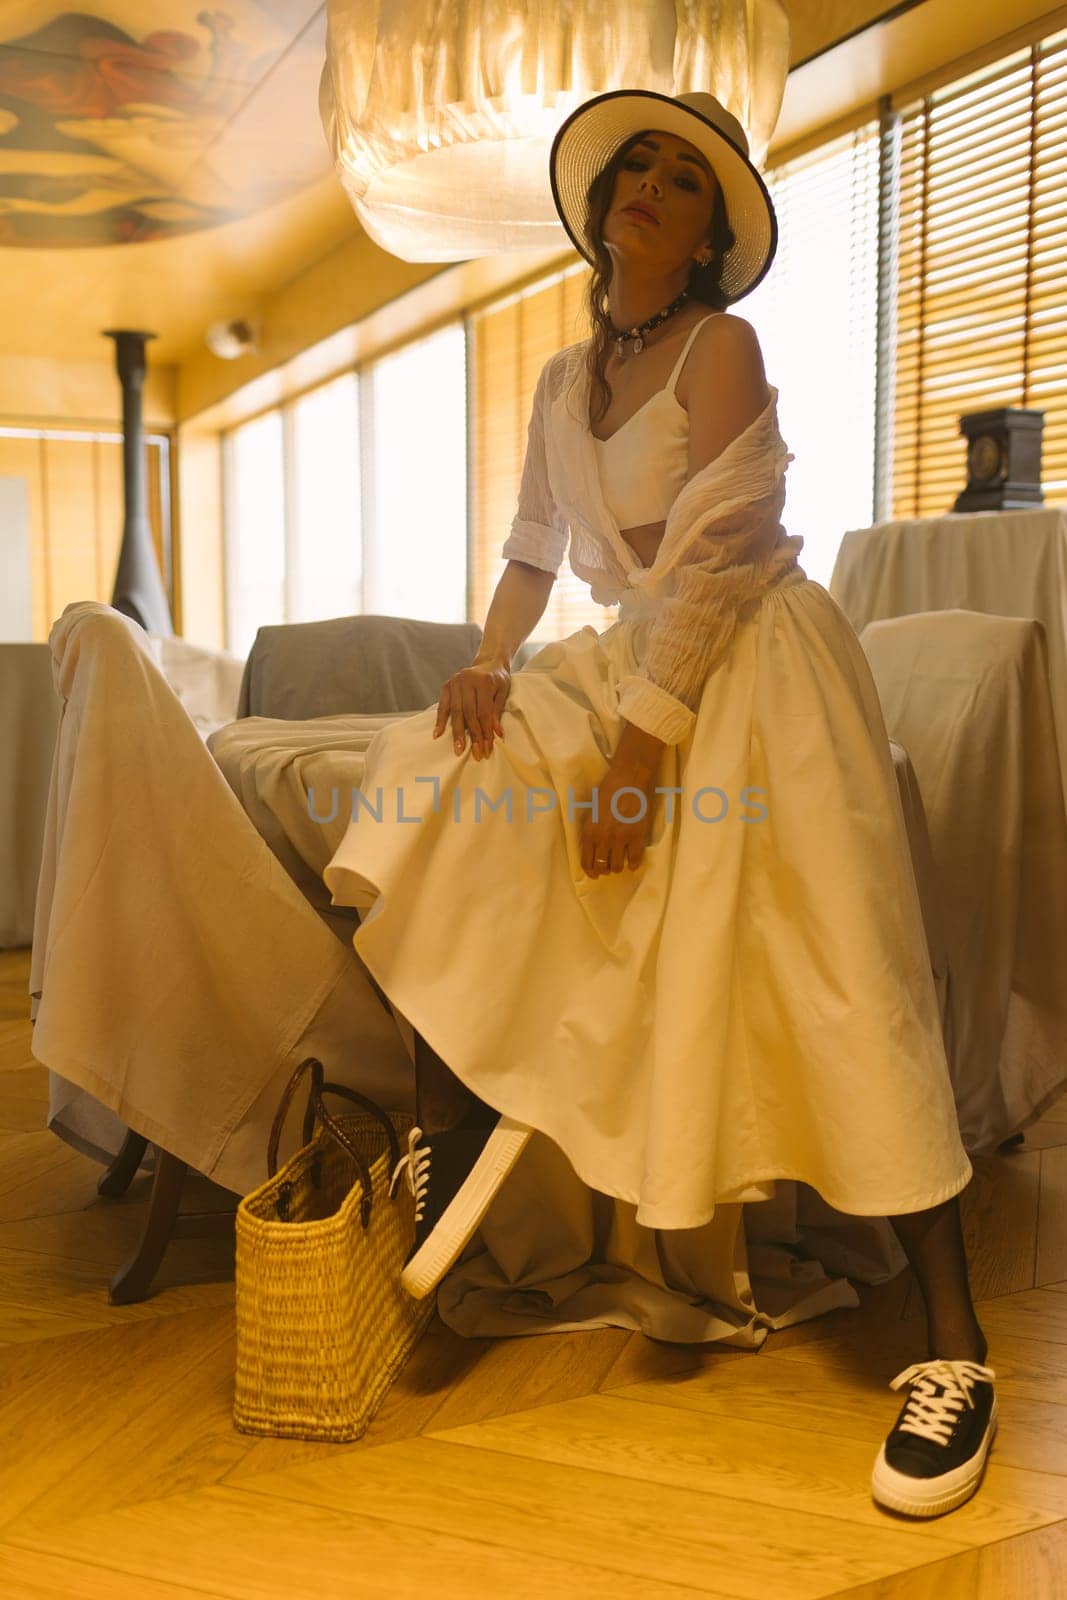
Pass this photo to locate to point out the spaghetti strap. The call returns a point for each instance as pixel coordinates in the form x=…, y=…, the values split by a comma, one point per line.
x=678, y=365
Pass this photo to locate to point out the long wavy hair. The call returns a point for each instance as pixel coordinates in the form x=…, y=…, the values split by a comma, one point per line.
x=705, y=283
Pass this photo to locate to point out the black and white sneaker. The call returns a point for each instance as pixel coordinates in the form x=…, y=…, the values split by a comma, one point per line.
x=933, y=1459
x=453, y=1176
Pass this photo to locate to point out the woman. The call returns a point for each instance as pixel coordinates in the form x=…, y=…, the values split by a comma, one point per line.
x=694, y=999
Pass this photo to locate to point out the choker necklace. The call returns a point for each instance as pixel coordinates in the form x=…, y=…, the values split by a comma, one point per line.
x=637, y=334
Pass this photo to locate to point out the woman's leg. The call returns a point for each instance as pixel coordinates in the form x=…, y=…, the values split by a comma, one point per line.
x=442, y=1102
x=933, y=1243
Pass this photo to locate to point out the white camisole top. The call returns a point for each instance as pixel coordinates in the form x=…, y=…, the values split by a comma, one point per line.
x=645, y=462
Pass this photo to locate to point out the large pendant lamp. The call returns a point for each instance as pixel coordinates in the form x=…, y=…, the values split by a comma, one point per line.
x=440, y=116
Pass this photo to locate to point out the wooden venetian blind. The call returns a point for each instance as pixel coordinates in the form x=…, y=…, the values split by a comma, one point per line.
x=509, y=342
x=978, y=305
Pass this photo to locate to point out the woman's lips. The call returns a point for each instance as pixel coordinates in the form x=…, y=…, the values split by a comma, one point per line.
x=636, y=211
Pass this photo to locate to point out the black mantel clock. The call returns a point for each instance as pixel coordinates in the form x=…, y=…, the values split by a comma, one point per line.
x=1003, y=460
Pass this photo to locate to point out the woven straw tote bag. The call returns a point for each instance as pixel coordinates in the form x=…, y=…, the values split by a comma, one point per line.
x=323, y=1322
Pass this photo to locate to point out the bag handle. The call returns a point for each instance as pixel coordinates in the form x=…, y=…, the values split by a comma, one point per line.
x=315, y=1107
x=279, y=1115
x=357, y=1099
x=367, y=1199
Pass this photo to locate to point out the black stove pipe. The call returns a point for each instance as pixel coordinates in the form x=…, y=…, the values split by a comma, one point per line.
x=139, y=592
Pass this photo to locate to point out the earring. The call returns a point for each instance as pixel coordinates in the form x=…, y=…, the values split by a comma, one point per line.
x=703, y=261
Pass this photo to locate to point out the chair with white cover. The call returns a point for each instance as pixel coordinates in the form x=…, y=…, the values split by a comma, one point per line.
x=297, y=677
x=967, y=695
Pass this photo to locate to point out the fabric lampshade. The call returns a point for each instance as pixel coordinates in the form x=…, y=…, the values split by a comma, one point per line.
x=440, y=117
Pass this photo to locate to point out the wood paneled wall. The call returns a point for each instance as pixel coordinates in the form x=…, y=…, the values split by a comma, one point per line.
x=74, y=488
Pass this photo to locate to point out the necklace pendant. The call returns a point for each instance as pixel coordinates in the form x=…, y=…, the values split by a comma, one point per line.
x=639, y=345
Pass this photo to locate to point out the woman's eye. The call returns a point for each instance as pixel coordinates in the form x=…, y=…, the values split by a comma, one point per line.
x=639, y=166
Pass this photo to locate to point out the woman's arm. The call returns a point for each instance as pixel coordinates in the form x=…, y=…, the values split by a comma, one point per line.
x=474, y=699
x=636, y=758
x=727, y=388
x=517, y=606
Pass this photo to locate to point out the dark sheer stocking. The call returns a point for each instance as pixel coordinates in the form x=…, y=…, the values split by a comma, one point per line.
x=933, y=1243
x=442, y=1101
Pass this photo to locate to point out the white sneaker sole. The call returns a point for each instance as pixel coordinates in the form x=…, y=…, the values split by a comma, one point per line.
x=467, y=1208
x=929, y=1497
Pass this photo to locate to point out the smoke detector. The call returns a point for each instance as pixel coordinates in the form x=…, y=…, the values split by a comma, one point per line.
x=228, y=340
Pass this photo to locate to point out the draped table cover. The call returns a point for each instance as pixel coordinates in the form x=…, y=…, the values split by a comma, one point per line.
x=29, y=717
x=1005, y=563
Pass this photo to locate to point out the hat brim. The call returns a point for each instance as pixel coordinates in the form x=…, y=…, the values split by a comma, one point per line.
x=593, y=132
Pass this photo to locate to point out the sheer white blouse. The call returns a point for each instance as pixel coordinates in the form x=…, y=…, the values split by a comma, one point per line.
x=723, y=545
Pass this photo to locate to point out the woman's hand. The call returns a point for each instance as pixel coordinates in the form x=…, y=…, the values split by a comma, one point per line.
x=473, y=698
x=608, y=845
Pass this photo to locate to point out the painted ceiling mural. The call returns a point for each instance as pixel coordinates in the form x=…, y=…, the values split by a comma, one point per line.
x=109, y=121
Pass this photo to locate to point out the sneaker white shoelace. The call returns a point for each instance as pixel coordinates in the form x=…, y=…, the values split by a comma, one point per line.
x=415, y=1167
x=932, y=1415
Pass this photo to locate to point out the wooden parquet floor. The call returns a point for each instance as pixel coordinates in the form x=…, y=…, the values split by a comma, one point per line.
x=574, y=1464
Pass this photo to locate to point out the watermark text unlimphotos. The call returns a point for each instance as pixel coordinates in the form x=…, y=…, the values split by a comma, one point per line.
x=708, y=804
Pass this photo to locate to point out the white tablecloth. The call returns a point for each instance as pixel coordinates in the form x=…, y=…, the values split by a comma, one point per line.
x=29, y=717
x=207, y=682
x=1005, y=563
x=178, y=975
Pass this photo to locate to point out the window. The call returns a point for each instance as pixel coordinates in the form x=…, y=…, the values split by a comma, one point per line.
x=325, y=550
x=353, y=498
x=415, y=540
x=816, y=315
x=255, y=530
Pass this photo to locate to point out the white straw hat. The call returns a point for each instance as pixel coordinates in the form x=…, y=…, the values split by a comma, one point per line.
x=591, y=135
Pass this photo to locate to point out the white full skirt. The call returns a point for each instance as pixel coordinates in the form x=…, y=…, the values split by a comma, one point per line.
x=749, y=1016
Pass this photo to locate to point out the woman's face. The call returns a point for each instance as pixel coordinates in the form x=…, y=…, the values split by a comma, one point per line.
x=670, y=179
